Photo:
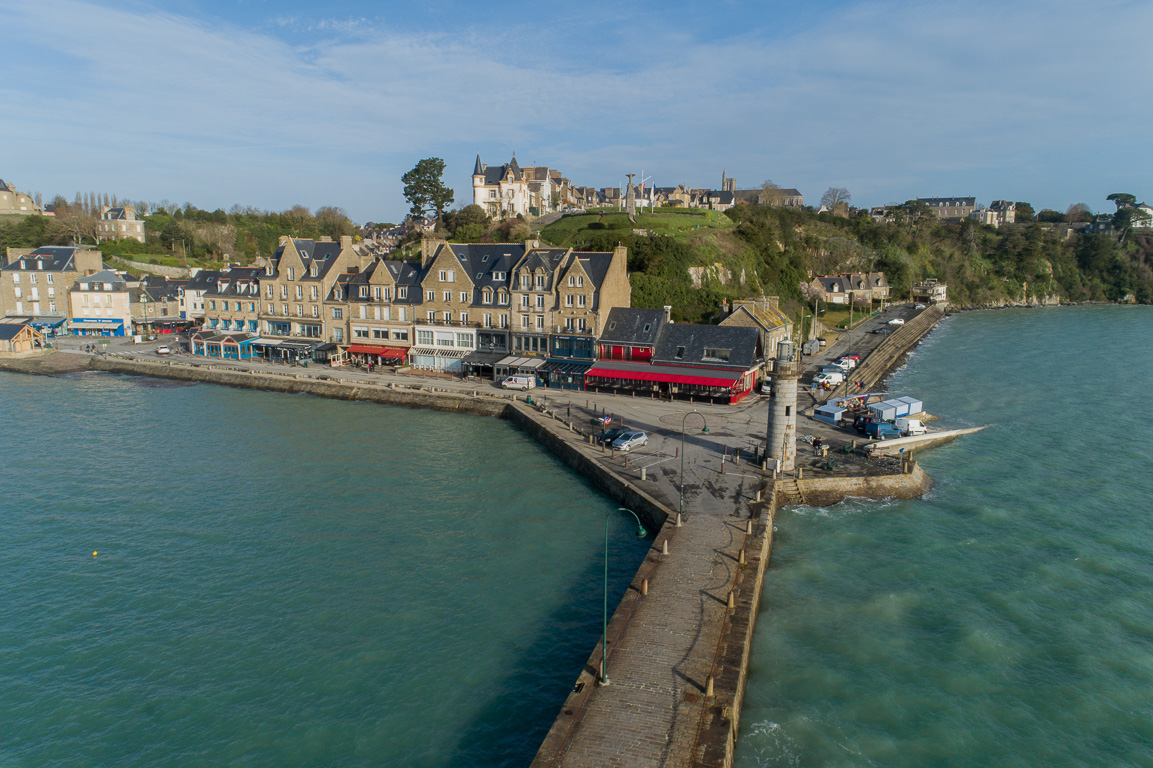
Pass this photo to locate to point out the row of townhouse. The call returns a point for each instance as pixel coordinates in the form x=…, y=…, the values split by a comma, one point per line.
x=63, y=289
x=327, y=300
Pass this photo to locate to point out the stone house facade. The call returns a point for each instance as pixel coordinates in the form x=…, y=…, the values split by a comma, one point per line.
x=13, y=203
x=101, y=305
x=119, y=224
x=35, y=283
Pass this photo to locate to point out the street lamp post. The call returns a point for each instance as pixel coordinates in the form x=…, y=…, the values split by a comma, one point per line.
x=641, y=532
x=704, y=428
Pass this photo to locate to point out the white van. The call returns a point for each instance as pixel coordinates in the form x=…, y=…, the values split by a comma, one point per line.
x=910, y=426
x=829, y=377
x=519, y=382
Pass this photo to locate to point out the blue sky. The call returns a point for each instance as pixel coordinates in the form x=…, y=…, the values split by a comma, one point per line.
x=274, y=104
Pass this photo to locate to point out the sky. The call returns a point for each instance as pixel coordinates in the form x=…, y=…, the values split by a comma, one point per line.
x=275, y=104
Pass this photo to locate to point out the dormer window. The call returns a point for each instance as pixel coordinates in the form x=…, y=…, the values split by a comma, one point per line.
x=312, y=270
x=402, y=292
x=364, y=291
x=291, y=273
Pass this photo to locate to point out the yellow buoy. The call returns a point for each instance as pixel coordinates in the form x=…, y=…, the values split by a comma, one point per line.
x=94, y=554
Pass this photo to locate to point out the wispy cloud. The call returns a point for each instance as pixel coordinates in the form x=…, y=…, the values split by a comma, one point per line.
x=891, y=99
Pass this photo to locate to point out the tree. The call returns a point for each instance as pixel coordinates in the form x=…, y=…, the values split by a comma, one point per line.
x=1049, y=216
x=1078, y=212
x=424, y=190
x=1122, y=200
x=1127, y=218
x=771, y=195
x=836, y=196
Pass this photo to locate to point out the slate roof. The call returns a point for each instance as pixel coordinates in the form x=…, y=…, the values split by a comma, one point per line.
x=768, y=318
x=237, y=281
x=743, y=345
x=53, y=258
x=404, y=274
x=8, y=331
x=98, y=280
x=324, y=253
x=637, y=327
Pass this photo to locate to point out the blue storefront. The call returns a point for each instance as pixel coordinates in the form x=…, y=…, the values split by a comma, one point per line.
x=97, y=326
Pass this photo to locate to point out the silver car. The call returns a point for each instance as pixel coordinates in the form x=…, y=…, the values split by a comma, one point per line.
x=630, y=440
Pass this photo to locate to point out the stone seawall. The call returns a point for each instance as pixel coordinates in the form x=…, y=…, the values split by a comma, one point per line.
x=720, y=722
x=823, y=491
x=298, y=383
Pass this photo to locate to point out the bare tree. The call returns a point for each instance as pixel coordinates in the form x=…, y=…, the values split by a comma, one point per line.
x=836, y=197
x=770, y=194
x=1078, y=212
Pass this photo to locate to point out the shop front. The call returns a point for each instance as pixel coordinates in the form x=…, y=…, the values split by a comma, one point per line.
x=668, y=381
x=375, y=355
x=565, y=374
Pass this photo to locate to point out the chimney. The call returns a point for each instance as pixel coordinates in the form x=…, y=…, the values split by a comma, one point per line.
x=345, y=241
x=324, y=239
x=725, y=307
x=283, y=239
x=668, y=313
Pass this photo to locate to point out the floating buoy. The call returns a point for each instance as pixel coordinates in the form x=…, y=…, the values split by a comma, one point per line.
x=94, y=554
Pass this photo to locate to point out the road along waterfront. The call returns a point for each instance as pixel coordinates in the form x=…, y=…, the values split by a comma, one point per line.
x=1003, y=619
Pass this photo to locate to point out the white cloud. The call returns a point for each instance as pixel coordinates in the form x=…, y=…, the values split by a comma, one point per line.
x=886, y=98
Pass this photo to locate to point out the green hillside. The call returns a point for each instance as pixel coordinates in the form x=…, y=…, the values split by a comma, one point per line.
x=575, y=229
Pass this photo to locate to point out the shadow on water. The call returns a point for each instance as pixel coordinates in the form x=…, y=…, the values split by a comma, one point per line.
x=510, y=729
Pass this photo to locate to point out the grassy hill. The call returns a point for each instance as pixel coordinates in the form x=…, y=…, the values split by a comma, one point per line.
x=578, y=229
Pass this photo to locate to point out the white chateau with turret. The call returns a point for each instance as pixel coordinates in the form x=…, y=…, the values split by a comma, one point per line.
x=508, y=190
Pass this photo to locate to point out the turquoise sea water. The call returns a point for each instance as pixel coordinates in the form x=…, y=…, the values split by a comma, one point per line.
x=1007, y=618
x=285, y=580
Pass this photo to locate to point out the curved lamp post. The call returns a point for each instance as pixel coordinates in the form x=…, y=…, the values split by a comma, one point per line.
x=641, y=533
x=704, y=428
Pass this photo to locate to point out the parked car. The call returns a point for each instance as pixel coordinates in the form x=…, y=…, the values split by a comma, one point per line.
x=822, y=341
x=881, y=430
x=847, y=361
x=910, y=426
x=840, y=365
x=630, y=440
x=163, y=349
x=607, y=437
x=766, y=387
x=519, y=382
x=862, y=423
x=854, y=358
x=896, y=321
x=882, y=329
x=832, y=378
x=918, y=306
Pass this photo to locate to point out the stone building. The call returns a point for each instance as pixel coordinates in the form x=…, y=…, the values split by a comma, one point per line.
x=231, y=299
x=508, y=190
x=295, y=287
x=119, y=224
x=13, y=203
x=950, y=208
x=763, y=313
x=101, y=305
x=34, y=284
x=382, y=299
x=527, y=299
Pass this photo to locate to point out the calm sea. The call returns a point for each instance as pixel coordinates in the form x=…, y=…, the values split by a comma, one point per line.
x=285, y=580
x=1007, y=618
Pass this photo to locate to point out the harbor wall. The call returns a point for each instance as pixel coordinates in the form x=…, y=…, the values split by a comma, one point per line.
x=720, y=722
x=823, y=491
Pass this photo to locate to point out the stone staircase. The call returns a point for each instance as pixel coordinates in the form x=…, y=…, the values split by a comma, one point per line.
x=789, y=491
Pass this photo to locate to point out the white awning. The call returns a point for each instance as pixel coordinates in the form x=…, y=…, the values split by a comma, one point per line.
x=439, y=352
